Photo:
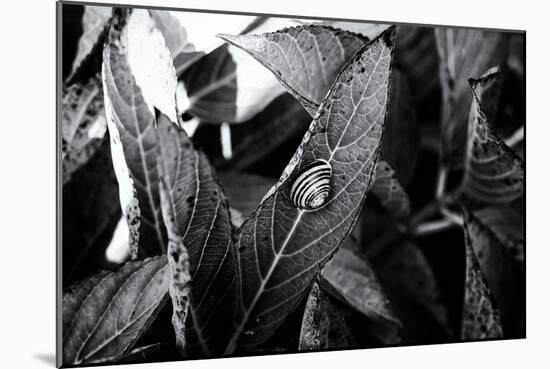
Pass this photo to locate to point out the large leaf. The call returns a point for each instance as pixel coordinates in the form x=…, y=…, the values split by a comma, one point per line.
x=131, y=121
x=83, y=125
x=278, y=266
x=481, y=317
x=90, y=213
x=352, y=280
x=501, y=271
x=306, y=59
x=201, y=227
x=94, y=21
x=323, y=327
x=494, y=174
x=464, y=53
x=104, y=315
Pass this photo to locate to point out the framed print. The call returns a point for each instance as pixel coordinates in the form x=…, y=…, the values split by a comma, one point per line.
x=252, y=184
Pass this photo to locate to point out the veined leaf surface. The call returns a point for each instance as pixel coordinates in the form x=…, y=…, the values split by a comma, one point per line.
x=131, y=122
x=323, y=327
x=281, y=247
x=104, y=315
x=481, y=317
x=494, y=174
x=198, y=209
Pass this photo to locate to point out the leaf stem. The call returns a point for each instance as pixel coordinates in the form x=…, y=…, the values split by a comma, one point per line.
x=515, y=137
x=433, y=226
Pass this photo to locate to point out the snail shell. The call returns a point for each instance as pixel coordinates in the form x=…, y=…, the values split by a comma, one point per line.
x=311, y=185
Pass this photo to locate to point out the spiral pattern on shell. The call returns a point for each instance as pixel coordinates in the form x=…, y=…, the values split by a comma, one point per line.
x=311, y=185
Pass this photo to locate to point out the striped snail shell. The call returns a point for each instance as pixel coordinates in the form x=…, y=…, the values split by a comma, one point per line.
x=311, y=185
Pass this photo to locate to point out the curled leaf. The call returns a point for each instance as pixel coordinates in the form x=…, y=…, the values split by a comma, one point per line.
x=494, y=174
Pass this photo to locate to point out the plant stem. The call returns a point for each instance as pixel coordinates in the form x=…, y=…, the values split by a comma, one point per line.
x=433, y=226
x=515, y=137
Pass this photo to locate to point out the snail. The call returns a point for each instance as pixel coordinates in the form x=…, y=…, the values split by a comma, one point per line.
x=311, y=185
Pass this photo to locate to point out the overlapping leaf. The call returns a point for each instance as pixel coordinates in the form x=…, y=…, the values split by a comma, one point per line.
x=131, y=122
x=104, y=315
x=83, y=124
x=281, y=247
x=414, y=292
x=94, y=21
x=481, y=317
x=352, y=279
x=198, y=209
x=464, y=53
x=494, y=174
x=323, y=327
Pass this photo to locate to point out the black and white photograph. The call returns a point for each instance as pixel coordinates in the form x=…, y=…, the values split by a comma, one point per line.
x=237, y=184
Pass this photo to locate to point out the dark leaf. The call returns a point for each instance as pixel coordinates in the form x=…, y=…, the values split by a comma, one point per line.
x=494, y=174
x=306, y=59
x=83, y=124
x=91, y=210
x=104, y=315
x=211, y=87
x=390, y=193
x=416, y=55
x=131, y=122
x=282, y=247
x=507, y=225
x=401, y=138
x=414, y=292
x=481, y=317
x=245, y=191
x=352, y=280
x=323, y=327
x=463, y=53
x=198, y=209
